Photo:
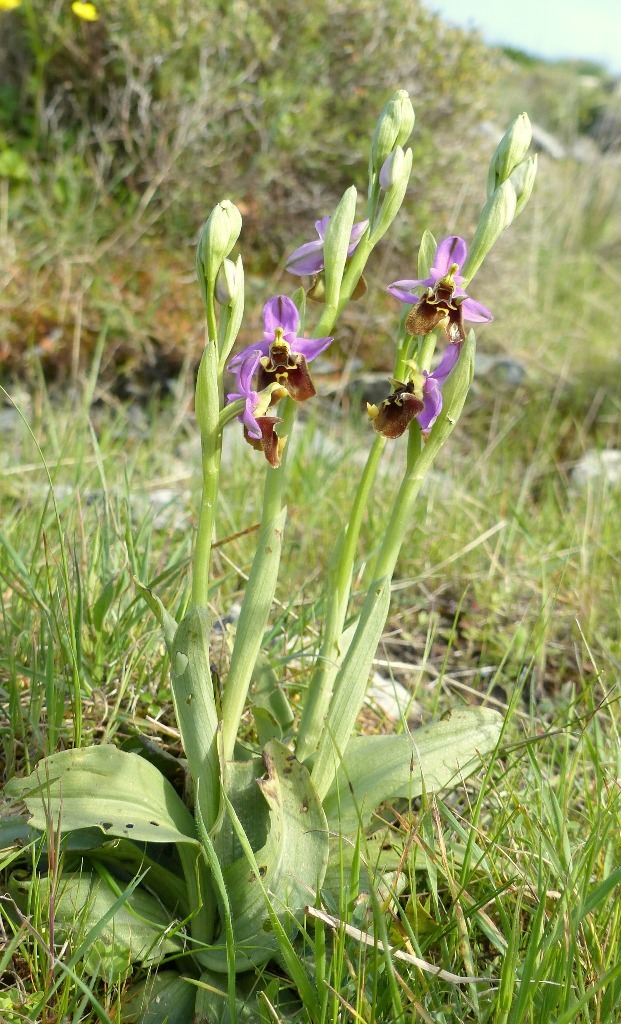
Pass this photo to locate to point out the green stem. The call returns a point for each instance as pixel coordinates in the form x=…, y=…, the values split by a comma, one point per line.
x=208, y=403
x=402, y=509
x=258, y=597
x=427, y=348
x=339, y=588
x=404, y=342
x=275, y=478
x=351, y=679
x=419, y=460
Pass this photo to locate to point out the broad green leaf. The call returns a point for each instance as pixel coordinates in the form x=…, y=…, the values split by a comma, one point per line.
x=292, y=860
x=195, y=707
x=419, y=917
x=379, y=768
x=241, y=786
x=16, y=830
x=132, y=858
x=120, y=793
x=167, y=764
x=212, y=1002
x=251, y=627
x=163, y=998
x=288, y=956
x=350, y=685
x=271, y=710
x=134, y=932
x=380, y=857
x=380, y=854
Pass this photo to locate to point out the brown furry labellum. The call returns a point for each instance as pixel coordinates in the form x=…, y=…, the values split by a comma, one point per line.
x=437, y=308
x=396, y=412
x=289, y=370
x=269, y=443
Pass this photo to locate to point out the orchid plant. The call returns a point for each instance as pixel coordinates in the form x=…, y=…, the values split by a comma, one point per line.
x=275, y=802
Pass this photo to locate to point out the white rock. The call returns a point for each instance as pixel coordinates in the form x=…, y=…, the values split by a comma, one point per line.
x=391, y=698
x=604, y=466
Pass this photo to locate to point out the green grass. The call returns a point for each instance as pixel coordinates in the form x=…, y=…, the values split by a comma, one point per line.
x=507, y=592
x=514, y=876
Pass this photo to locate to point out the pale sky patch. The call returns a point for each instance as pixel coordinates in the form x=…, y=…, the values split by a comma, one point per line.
x=545, y=28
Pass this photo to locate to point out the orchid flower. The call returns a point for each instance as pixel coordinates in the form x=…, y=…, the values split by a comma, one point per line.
x=282, y=355
x=308, y=258
x=258, y=428
x=444, y=303
x=420, y=396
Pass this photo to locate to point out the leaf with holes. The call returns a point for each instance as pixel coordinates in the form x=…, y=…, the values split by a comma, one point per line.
x=120, y=793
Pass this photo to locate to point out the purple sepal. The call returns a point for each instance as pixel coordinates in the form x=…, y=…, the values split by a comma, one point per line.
x=281, y=312
x=247, y=369
x=308, y=259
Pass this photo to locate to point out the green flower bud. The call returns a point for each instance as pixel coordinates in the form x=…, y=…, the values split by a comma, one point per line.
x=226, y=283
x=510, y=152
x=392, y=169
x=218, y=237
x=393, y=198
x=496, y=215
x=393, y=128
x=230, y=282
x=523, y=180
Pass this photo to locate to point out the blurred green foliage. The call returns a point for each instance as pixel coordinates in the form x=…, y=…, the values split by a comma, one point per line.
x=174, y=104
x=118, y=136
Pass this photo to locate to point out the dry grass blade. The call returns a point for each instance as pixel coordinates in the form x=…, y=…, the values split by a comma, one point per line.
x=371, y=940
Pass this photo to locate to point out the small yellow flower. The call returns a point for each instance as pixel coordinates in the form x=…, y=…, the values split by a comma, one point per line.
x=87, y=12
x=9, y=5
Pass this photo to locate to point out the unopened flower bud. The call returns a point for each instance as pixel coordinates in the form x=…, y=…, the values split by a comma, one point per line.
x=523, y=180
x=392, y=200
x=218, y=237
x=392, y=169
x=394, y=128
x=226, y=283
x=510, y=152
